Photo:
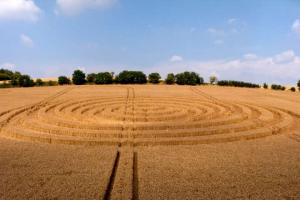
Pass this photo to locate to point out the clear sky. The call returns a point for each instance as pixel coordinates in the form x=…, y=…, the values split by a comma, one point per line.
x=257, y=40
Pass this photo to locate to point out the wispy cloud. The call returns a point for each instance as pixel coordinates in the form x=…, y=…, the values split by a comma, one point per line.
x=25, y=10
x=232, y=27
x=218, y=42
x=26, y=41
x=232, y=21
x=73, y=7
x=176, y=58
x=8, y=65
x=250, y=56
x=280, y=68
x=216, y=32
x=286, y=56
x=296, y=26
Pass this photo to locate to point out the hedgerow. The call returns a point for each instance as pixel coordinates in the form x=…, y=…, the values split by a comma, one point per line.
x=237, y=84
x=277, y=87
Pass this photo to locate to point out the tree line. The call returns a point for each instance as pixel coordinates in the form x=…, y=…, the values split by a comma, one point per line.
x=131, y=77
x=238, y=84
x=16, y=79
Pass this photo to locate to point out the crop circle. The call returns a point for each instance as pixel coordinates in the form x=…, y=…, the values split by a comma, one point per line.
x=144, y=121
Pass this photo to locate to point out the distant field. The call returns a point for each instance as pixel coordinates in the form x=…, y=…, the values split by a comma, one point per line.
x=149, y=142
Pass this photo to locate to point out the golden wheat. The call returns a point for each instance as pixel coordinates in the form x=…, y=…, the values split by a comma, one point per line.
x=143, y=120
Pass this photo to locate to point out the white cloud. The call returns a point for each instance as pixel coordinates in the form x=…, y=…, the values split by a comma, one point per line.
x=231, y=21
x=257, y=69
x=26, y=40
x=296, y=26
x=297, y=60
x=176, y=58
x=250, y=56
x=25, y=10
x=232, y=27
x=8, y=65
x=216, y=32
x=287, y=56
x=73, y=7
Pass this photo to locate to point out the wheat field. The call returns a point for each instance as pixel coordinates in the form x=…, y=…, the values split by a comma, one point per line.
x=149, y=142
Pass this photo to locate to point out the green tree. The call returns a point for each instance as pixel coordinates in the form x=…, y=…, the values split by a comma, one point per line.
x=4, y=77
x=104, y=78
x=52, y=83
x=131, y=77
x=39, y=82
x=91, y=78
x=78, y=77
x=7, y=72
x=15, y=79
x=63, y=80
x=25, y=81
x=298, y=84
x=293, y=89
x=188, y=78
x=266, y=86
x=170, y=79
x=154, y=78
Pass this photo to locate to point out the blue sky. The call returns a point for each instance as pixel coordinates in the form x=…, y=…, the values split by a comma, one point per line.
x=257, y=41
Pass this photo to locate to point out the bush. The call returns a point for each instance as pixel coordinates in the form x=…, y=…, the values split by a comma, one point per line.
x=293, y=89
x=5, y=85
x=91, y=78
x=4, y=77
x=154, y=78
x=131, y=77
x=213, y=80
x=104, y=78
x=39, y=82
x=63, y=80
x=170, y=79
x=298, y=84
x=78, y=77
x=7, y=73
x=188, y=78
x=277, y=87
x=237, y=84
x=15, y=79
x=266, y=86
x=25, y=81
x=51, y=83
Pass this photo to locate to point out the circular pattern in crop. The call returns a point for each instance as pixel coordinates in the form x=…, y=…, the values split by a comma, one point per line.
x=138, y=121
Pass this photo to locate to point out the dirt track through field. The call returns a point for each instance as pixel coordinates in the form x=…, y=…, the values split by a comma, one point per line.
x=112, y=178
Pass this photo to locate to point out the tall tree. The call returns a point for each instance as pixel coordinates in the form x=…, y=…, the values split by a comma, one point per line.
x=78, y=77
x=154, y=78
